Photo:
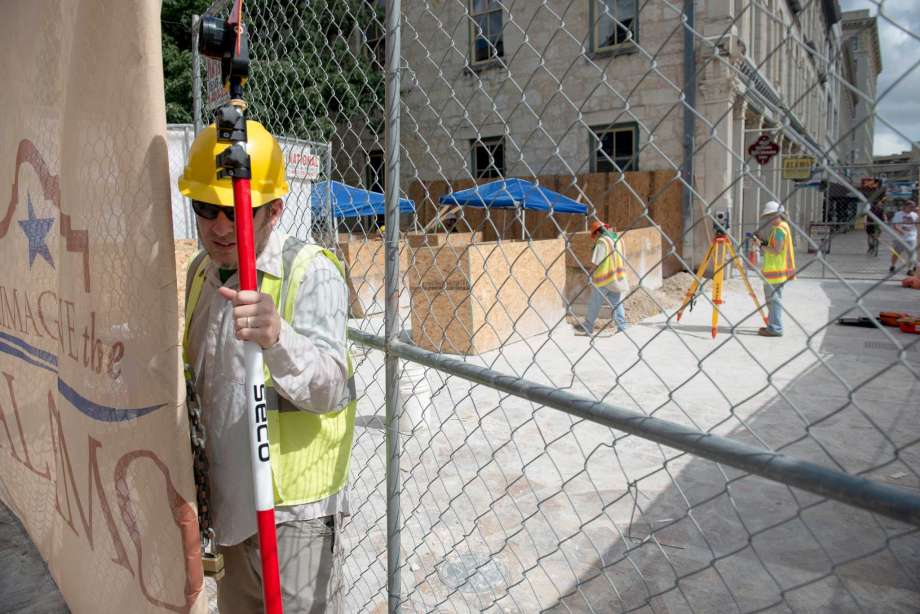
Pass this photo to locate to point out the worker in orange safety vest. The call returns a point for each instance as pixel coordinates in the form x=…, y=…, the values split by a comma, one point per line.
x=608, y=278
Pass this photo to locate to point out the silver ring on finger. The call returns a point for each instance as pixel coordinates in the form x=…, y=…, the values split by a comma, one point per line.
x=248, y=321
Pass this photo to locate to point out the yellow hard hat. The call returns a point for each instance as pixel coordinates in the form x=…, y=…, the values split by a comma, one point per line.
x=199, y=180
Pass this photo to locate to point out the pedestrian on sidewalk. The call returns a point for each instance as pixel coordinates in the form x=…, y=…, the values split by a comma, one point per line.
x=608, y=279
x=874, y=220
x=298, y=318
x=904, y=243
x=778, y=265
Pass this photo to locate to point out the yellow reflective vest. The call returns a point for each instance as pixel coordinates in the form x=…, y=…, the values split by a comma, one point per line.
x=779, y=268
x=310, y=453
x=611, y=267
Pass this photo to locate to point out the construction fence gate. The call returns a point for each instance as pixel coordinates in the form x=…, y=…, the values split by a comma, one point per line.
x=504, y=461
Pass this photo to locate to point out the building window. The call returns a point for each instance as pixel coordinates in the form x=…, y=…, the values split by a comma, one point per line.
x=375, y=35
x=486, y=31
x=374, y=171
x=488, y=157
x=615, y=23
x=615, y=148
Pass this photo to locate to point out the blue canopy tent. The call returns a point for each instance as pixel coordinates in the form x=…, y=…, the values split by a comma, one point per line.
x=351, y=202
x=517, y=194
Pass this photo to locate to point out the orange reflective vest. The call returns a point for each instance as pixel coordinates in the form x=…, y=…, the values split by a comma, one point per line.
x=779, y=268
x=610, y=267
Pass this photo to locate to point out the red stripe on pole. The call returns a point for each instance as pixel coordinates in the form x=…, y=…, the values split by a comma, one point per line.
x=245, y=243
x=271, y=581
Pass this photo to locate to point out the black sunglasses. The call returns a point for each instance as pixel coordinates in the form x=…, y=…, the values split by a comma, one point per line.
x=209, y=211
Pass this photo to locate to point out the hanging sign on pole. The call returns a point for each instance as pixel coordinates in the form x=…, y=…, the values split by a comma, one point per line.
x=798, y=168
x=763, y=149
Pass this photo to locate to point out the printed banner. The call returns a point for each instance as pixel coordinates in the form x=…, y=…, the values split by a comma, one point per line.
x=94, y=445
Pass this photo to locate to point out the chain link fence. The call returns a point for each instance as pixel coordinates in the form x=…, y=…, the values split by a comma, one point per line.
x=503, y=461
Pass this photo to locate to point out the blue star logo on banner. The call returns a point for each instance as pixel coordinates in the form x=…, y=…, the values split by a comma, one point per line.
x=36, y=229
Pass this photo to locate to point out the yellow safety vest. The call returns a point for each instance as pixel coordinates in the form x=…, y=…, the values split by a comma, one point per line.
x=610, y=267
x=779, y=268
x=310, y=453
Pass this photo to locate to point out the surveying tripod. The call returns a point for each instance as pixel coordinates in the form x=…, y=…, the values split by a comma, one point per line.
x=720, y=254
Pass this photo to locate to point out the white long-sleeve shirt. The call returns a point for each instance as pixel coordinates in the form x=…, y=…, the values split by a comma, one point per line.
x=308, y=368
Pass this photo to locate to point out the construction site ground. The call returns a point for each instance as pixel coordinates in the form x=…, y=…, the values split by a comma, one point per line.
x=486, y=522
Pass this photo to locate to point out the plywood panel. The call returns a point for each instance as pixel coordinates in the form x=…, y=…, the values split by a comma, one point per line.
x=442, y=321
x=667, y=210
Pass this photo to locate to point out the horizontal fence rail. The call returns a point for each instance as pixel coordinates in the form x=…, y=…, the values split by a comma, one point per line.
x=895, y=503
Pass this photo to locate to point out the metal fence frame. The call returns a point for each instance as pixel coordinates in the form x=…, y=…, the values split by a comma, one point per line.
x=836, y=485
x=828, y=483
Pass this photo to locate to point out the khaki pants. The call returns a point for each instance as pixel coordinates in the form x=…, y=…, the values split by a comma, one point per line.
x=310, y=561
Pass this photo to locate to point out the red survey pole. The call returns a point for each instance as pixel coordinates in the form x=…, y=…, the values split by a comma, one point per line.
x=228, y=41
x=258, y=420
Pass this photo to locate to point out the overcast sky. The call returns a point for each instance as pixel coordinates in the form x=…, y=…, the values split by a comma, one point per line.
x=899, y=30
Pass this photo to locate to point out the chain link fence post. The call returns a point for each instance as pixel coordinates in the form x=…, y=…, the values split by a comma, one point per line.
x=393, y=17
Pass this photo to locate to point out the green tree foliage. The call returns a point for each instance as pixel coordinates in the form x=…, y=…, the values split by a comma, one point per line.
x=312, y=65
x=176, y=24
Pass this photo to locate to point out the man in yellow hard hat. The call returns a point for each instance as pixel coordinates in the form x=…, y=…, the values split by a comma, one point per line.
x=298, y=317
x=778, y=264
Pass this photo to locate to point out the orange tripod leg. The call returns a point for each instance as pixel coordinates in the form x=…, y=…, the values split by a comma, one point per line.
x=718, y=274
x=691, y=292
x=747, y=283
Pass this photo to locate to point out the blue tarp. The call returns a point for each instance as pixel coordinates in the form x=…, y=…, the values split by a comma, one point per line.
x=351, y=202
x=514, y=193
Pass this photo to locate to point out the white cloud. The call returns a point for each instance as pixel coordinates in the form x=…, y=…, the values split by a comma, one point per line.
x=899, y=39
x=886, y=142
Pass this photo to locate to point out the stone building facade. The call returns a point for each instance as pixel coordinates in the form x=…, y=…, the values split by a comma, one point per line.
x=779, y=82
x=860, y=38
x=567, y=87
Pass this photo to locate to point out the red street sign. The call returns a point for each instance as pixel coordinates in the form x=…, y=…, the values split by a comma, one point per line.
x=763, y=149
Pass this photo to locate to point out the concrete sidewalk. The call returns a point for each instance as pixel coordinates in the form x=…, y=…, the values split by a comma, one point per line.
x=547, y=512
x=848, y=259
x=26, y=586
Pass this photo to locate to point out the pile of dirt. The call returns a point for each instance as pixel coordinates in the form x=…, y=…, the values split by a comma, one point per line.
x=642, y=303
x=672, y=291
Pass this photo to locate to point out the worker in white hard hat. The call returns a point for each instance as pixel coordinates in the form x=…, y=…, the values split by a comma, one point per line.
x=778, y=264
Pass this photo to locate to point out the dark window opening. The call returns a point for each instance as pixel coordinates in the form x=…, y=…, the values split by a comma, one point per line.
x=488, y=157
x=615, y=148
x=374, y=171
